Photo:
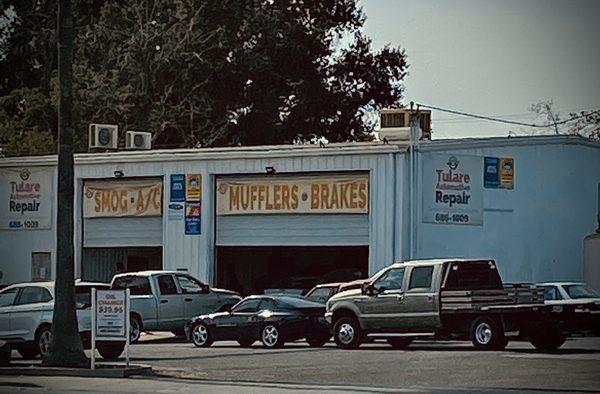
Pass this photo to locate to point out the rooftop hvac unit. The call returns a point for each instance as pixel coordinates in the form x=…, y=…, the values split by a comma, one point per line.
x=395, y=124
x=138, y=140
x=103, y=136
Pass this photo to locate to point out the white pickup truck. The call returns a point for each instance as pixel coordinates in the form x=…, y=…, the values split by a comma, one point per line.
x=167, y=300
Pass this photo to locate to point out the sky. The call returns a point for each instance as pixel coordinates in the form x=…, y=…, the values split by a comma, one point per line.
x=493, y=57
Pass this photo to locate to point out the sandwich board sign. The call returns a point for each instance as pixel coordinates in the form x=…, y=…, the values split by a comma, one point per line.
x=110, y=319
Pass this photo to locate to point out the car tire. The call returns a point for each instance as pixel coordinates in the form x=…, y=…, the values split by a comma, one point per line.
x=246, y=342
x=29, y=352
x=347, y=333
x=271, y=336
x=317, y=341
x=399, y=343
x=200, y=335
x=42, y=340
x=135, y=329
x=548, y=339
x=487, y=334
x=110, y=350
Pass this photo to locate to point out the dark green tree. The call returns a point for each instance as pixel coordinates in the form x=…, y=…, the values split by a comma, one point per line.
x=230, y=72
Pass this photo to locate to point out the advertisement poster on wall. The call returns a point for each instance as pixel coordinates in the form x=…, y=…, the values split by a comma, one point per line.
x=177, y=189
x=498, y=172
x=452, y=187
x=193, y=187
x=26, y=198
x=193, y=214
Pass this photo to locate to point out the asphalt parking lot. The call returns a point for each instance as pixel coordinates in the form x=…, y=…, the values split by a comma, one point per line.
x=424, y=365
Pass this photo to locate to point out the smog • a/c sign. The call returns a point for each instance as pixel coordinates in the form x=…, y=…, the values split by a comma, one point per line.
x=452, y=189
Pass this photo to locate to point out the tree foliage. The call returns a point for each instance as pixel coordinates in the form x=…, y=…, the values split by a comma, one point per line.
x=583, y=123
x=217, y=72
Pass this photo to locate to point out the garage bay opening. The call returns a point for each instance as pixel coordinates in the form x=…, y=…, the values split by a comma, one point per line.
x=288, y=269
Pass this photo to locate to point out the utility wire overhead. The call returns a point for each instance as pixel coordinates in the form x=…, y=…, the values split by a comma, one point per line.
x=493, y=119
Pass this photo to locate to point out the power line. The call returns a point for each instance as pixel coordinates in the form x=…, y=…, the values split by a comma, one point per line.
x=493, y=119
x=519, y=115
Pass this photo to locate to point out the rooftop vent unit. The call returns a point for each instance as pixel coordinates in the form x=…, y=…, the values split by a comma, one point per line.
x=395, y=124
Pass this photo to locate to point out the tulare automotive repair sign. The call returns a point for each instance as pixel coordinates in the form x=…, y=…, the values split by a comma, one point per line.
x=26, y=198
x=452, y=189
x=122, y=198
x=273, y=195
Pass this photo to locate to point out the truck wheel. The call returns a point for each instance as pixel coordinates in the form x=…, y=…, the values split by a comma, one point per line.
x=201, y=335
x=135, y=329
x=110, y=350
x=487, y=334
x=399, y=343
x=347, y=333
x=547, y=340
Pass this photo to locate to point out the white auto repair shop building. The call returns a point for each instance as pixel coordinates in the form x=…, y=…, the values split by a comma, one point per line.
x=276, y=217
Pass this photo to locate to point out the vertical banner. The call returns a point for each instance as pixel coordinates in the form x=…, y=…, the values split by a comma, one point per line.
x=491, y=172
x=452, y=187
x=507, y=172
x=193, y=187
x=177, y=189
x=193, y=213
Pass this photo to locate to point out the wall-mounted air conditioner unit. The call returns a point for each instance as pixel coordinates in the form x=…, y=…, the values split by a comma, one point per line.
x=103, y=136
x=138, y=140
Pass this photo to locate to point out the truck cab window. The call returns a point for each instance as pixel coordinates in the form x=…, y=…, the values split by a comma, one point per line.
x=188, y=285
x=166, y=285
x=420, y=278
x=137, y=285
x=391, y=280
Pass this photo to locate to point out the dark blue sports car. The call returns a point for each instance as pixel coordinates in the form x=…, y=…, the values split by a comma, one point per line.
x=271, y=319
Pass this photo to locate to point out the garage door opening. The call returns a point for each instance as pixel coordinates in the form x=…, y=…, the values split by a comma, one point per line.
x=101, y=264
x=289, y=269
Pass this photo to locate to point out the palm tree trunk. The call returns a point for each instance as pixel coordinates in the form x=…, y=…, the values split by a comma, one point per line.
x=66, y=348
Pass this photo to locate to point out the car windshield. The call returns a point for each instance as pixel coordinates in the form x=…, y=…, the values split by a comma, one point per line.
x=580, y=291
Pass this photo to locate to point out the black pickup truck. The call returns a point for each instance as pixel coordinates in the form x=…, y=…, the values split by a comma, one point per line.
x=451, y=299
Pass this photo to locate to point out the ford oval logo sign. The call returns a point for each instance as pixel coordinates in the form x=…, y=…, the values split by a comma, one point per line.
x=176, y=206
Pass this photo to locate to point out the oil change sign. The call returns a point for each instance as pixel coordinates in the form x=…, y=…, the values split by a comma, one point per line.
x=452, y=187
x=110, y=310
x=26, y=198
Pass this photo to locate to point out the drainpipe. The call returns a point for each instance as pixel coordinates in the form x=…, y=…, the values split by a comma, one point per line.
x=414, y=144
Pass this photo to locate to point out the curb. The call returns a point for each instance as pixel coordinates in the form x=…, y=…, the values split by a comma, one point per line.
x=102, y=371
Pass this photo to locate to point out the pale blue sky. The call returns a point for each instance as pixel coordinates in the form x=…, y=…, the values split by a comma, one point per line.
x=493, y=57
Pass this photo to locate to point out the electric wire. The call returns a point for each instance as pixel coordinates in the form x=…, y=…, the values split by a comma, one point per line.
x=513, y=122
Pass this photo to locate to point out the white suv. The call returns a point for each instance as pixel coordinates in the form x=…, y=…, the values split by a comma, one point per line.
x=26, y=311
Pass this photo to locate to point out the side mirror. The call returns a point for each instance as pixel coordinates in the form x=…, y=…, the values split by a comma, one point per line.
x=366, y=288
x=205, y=289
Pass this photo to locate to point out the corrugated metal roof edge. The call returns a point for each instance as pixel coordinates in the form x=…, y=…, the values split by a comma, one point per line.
x=278, y=151
x=258, y=152
x=465, y=143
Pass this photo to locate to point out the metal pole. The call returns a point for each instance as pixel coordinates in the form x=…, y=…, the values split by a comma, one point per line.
x=127, y=327
x=94, y=302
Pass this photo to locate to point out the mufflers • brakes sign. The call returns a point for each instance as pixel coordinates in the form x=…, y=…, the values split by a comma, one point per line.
x=26, y=198
x=288, y=194
x=452, y=188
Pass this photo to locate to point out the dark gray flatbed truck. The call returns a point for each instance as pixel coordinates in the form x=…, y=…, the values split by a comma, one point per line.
x=449, y=299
